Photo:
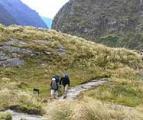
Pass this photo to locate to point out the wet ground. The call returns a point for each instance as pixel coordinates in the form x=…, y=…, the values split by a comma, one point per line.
x=23, y=116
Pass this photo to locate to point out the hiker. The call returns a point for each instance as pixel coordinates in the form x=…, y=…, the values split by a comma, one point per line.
x=54, y=88
x=65, y=82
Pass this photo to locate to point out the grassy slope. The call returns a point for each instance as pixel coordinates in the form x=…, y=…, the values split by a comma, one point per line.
x=81, y=59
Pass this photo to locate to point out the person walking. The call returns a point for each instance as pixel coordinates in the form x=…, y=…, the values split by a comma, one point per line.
x=54, y=88
x=65, y=82
x=57, y=77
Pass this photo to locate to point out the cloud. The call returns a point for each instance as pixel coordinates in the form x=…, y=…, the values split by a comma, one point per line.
x=47, y=8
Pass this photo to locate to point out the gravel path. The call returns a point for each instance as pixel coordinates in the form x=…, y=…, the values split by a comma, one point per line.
x=75, y=91
x=71, y=95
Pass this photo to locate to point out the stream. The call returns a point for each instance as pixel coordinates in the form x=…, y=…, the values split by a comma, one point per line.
x=71, y=95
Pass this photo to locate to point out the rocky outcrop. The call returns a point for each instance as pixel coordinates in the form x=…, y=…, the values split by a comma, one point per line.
x=94, y=18
x=12, y=62
x=12, y=52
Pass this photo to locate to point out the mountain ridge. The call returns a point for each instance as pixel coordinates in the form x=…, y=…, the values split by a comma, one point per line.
x=20, y=13
x=93, y=19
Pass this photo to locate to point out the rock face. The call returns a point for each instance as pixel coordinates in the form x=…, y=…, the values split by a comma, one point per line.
x=94, y=18
x=12, y=51
x=16, y=12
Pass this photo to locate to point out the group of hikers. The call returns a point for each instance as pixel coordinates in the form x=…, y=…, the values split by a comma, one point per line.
x=58, y=82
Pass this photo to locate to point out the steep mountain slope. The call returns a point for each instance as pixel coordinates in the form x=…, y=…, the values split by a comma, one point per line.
x=94, y=18
x=5, y=17
x=16, y=12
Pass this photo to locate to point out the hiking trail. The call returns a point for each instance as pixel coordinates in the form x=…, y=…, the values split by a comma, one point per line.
x=75, y=91
x=71, y=95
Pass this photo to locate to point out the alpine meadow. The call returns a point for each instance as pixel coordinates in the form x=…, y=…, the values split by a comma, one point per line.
x=87, y=65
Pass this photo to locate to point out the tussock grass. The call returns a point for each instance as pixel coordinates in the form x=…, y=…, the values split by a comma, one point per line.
x=58, y=111
x=56, y=53
x=19, y=100
x=121, y=91
x=90, y=109
x=5, y=116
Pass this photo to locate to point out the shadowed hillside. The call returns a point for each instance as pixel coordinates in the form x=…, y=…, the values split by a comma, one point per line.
x=16, y=12
x=5, y=17
x=116, y=23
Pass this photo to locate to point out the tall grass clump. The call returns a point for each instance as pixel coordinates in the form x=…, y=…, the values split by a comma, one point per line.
x=58, y=111
x=119, y=91
x=22, y=101
x=90, y=109
x=5, y=116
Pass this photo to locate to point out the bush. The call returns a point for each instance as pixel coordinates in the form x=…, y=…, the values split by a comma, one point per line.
x=5, y=116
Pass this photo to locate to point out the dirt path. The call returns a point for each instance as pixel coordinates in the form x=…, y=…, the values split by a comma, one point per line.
x=71, y=95
x=75, y=91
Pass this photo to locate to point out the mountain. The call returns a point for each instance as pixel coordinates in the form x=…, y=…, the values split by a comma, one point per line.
x=16, y=12
x=48, y=21
x=119, y=23
x=5, y=17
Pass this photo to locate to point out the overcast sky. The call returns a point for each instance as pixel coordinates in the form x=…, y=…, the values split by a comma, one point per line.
x=47, y=8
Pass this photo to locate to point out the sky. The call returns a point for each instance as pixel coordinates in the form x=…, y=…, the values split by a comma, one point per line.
x=47, y=8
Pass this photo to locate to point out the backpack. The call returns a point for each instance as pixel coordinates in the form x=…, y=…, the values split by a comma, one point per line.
x=54, y=85
x=57, y=78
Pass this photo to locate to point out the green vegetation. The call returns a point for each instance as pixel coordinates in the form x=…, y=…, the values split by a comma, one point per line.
x=110, y=40
x=125, y=92
x=131, y=40
x=52, y=53
x=89, y=109
x=5, y=116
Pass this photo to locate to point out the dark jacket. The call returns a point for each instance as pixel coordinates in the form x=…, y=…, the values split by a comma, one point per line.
x=65, y=80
